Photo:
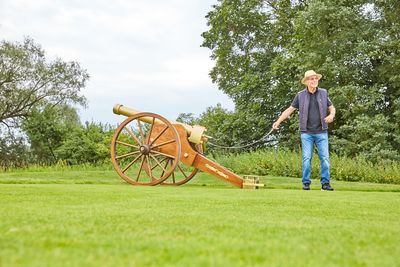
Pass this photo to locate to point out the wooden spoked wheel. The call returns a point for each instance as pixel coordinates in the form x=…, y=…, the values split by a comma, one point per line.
x=183, y=173
x=140, y=147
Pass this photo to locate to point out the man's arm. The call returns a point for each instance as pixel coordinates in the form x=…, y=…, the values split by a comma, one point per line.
x=283, y=116
x=332, y=113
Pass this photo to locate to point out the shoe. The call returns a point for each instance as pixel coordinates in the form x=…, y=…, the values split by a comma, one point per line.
x=327, y=187
x=306, y=186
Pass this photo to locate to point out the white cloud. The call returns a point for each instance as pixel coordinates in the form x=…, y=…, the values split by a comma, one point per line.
x=143, y=53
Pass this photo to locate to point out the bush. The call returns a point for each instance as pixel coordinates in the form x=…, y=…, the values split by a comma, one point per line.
x=288, y=163
x=88, y=144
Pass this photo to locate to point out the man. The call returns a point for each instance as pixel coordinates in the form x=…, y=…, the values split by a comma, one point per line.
x=312, y=103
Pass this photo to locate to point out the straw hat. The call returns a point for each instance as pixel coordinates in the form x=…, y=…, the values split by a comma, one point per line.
x=310, y=73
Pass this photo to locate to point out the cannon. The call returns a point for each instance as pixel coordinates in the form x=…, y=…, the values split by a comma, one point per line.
x=147, y=149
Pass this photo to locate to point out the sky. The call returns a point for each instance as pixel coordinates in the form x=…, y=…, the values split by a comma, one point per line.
x=144, y=54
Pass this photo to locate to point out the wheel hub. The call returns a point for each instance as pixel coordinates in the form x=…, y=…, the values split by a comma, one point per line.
x=145, y=149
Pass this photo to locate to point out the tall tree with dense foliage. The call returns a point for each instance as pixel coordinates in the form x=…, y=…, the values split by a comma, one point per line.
x=28, y=79
x=34, y=94
x=262, y=48
x=47, y=129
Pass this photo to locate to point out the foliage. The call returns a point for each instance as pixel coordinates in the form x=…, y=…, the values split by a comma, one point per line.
x=37, y=97
x=218, y=122
x=262, y=48
x=13, y=150
x=287, y=163
x=227, y=128
x=369, y=136
x=55, y=135
x=87, y=144
x=29, y=80
x=47, y=129
x=232, y=128
x=187, y=118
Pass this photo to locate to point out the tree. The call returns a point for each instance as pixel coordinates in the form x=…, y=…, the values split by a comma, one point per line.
x=28, y=80
x=262, y=48
x=47, y=129
x=14, y=151
x=357, y=55
x=187, y=118
x=249, y=41
x=56, y=134
x=227, y=128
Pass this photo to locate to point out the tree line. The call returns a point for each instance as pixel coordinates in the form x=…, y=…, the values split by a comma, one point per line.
x=39, y=123
x=261, y=50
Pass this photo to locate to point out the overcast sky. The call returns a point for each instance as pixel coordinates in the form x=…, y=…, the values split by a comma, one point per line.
x=141, y=53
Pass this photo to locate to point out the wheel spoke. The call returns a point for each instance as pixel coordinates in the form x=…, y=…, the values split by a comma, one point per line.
x=173, y=173
x=133, y=136
x=151, y=129
x=140, y=169
x=127, y=155
x=164, y=143
x=141, y=131
x=163, y=154
x=150, y=174
x=158, y=135
x=166, y=164
x=126, y=144
x=173, y=177
x=158, y=163
x=180, y=168
x=131, y=163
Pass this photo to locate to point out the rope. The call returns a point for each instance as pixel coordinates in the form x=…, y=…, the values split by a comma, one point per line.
x=243, y=146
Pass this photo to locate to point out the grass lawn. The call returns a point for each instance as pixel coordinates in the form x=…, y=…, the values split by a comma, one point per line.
x=93, y=218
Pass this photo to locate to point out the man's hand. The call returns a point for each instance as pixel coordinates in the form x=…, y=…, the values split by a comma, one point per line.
x=275, y=126
x=329, y=118
x=283, y=116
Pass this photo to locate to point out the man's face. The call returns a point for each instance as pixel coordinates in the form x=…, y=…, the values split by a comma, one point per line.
x=312, y=81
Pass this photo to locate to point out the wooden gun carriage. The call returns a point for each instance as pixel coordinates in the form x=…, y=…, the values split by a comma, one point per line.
x=148, y=149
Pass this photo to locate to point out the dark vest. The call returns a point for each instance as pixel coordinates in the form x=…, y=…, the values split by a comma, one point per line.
x=304, y=101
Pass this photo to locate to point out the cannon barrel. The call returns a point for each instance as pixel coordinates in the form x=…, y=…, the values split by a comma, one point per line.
x=195, y=132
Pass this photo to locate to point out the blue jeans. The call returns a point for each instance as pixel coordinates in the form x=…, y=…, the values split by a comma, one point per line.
x=307, y=145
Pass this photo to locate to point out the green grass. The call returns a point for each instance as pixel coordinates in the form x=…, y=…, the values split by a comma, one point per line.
x=93, y=218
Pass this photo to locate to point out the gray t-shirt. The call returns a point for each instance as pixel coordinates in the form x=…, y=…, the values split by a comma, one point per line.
x=314, y=118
